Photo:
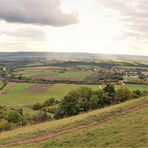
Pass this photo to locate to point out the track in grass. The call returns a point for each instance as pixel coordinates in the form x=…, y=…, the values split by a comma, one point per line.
x=70, y=130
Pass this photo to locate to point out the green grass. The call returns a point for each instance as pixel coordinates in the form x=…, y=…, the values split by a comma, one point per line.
x=134, y=87
x=20, y=87
x=128, y=130
x=53, y=73
x=29, y=111
x=1, y=84
x=18, y=96
x=76, y=75
x=34, y=64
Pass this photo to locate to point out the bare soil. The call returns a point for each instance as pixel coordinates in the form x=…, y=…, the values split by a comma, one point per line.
x=39, y=88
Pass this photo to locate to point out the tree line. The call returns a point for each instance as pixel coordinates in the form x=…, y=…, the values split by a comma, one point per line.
x=77, y=101
x=85, y=99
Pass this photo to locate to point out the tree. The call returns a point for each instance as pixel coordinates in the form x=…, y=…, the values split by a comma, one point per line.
x=69, y=105
x=95, y=100
x=124, y=94
x=104, y=98
x=110, y=89
x=15, y=117
x=84, y=104
x=138, y=92
x=85, y=92
x=50, y=102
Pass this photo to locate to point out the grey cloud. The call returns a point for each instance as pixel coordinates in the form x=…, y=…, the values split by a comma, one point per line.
x=41, y=12
x=133, y=13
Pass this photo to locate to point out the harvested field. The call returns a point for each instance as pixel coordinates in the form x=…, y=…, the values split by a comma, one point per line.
x=39, y=88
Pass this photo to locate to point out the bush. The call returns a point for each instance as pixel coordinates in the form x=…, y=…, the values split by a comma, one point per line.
x=95, y=102
x=59, y=114
x=138, y=93
x=84, y=104
x=41, y=116
x=4, y=125
x=109, y=89
x=50, y=109
x=84, y=92
x=37, y=106
x=69, y=105
x=50, y=102
x=15, y=117
x=124, y=94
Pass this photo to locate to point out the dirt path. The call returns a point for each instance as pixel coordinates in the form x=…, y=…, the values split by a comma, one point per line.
x=70, y=130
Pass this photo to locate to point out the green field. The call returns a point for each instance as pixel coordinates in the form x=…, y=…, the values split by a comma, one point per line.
x=15, y=94
x=134, y=87
x=125, y=130
x=35, y=64
x=53, y=73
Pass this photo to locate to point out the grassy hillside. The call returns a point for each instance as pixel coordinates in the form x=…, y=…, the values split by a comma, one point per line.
x=122, y=125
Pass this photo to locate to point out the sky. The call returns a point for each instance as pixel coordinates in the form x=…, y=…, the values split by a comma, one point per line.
x=94, y=26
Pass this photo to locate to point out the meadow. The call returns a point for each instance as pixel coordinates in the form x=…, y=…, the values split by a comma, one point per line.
x=134, y=87
x=25, y=94
x=52, y=73
x=115, y=132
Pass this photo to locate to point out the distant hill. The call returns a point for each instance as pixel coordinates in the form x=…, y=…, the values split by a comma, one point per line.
x=62, y=55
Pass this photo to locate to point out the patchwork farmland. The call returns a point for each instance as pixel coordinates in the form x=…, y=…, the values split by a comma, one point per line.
x=52, y=73
x=25, y=94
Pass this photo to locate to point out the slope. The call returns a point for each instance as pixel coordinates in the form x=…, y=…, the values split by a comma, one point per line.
x=119, y=125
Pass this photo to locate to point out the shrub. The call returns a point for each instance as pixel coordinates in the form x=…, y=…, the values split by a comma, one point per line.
x=59, y=114
x=95, y=100
x=37, y=106
x=69, y=105
x=15, y=117
x=124, y=94
x=109, y=89
x=138, y=93
x=4, y=125
x=51, y=109
x=41, y=116
x=50, y=102
x=84, y=92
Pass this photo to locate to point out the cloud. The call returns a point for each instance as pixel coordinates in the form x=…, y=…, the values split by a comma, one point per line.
x=28, y=32
x=133, y=13
x=41, y=12
x=25, y=33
